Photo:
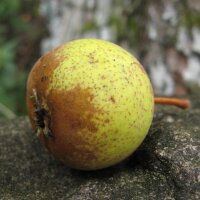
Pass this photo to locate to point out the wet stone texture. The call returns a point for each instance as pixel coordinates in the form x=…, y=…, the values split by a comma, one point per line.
x=166, y=166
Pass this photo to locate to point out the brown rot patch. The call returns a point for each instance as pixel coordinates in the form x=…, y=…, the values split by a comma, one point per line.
x=44, y=78
x=75, y=106
x=72, y=118
x=42, y=71
x=39, y=79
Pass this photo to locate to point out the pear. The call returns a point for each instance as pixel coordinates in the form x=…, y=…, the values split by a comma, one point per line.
x=90, y=102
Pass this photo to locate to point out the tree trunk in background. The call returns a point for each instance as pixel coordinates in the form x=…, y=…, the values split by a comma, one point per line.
x=164, y=35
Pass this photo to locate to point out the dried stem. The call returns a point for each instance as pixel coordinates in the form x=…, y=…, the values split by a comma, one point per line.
x=181, y=103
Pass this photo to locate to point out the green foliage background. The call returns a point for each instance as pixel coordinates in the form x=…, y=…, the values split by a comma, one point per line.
x=21, y=29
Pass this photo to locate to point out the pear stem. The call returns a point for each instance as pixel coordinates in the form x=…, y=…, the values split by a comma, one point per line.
x=181, y=103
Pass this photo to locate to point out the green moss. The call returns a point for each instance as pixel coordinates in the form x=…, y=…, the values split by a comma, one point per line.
x=88, y=26
x=191, y=18
x=115, y=21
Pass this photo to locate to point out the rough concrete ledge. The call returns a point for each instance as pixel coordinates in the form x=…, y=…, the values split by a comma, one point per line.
x=166, y=166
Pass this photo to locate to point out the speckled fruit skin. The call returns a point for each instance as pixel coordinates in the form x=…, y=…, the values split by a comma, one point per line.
x=99, y=100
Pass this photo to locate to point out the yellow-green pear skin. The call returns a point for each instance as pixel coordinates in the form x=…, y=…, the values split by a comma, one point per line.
x=91, y=103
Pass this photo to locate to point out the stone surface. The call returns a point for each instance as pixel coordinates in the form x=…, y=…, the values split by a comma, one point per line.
x=166, y=166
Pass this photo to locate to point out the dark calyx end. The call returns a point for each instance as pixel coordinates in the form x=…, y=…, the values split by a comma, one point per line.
x=42, y=117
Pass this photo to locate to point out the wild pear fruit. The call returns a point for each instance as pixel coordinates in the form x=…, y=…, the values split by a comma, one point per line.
x=90, y=102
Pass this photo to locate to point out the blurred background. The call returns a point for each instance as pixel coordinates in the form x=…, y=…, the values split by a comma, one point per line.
x=163, y=35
